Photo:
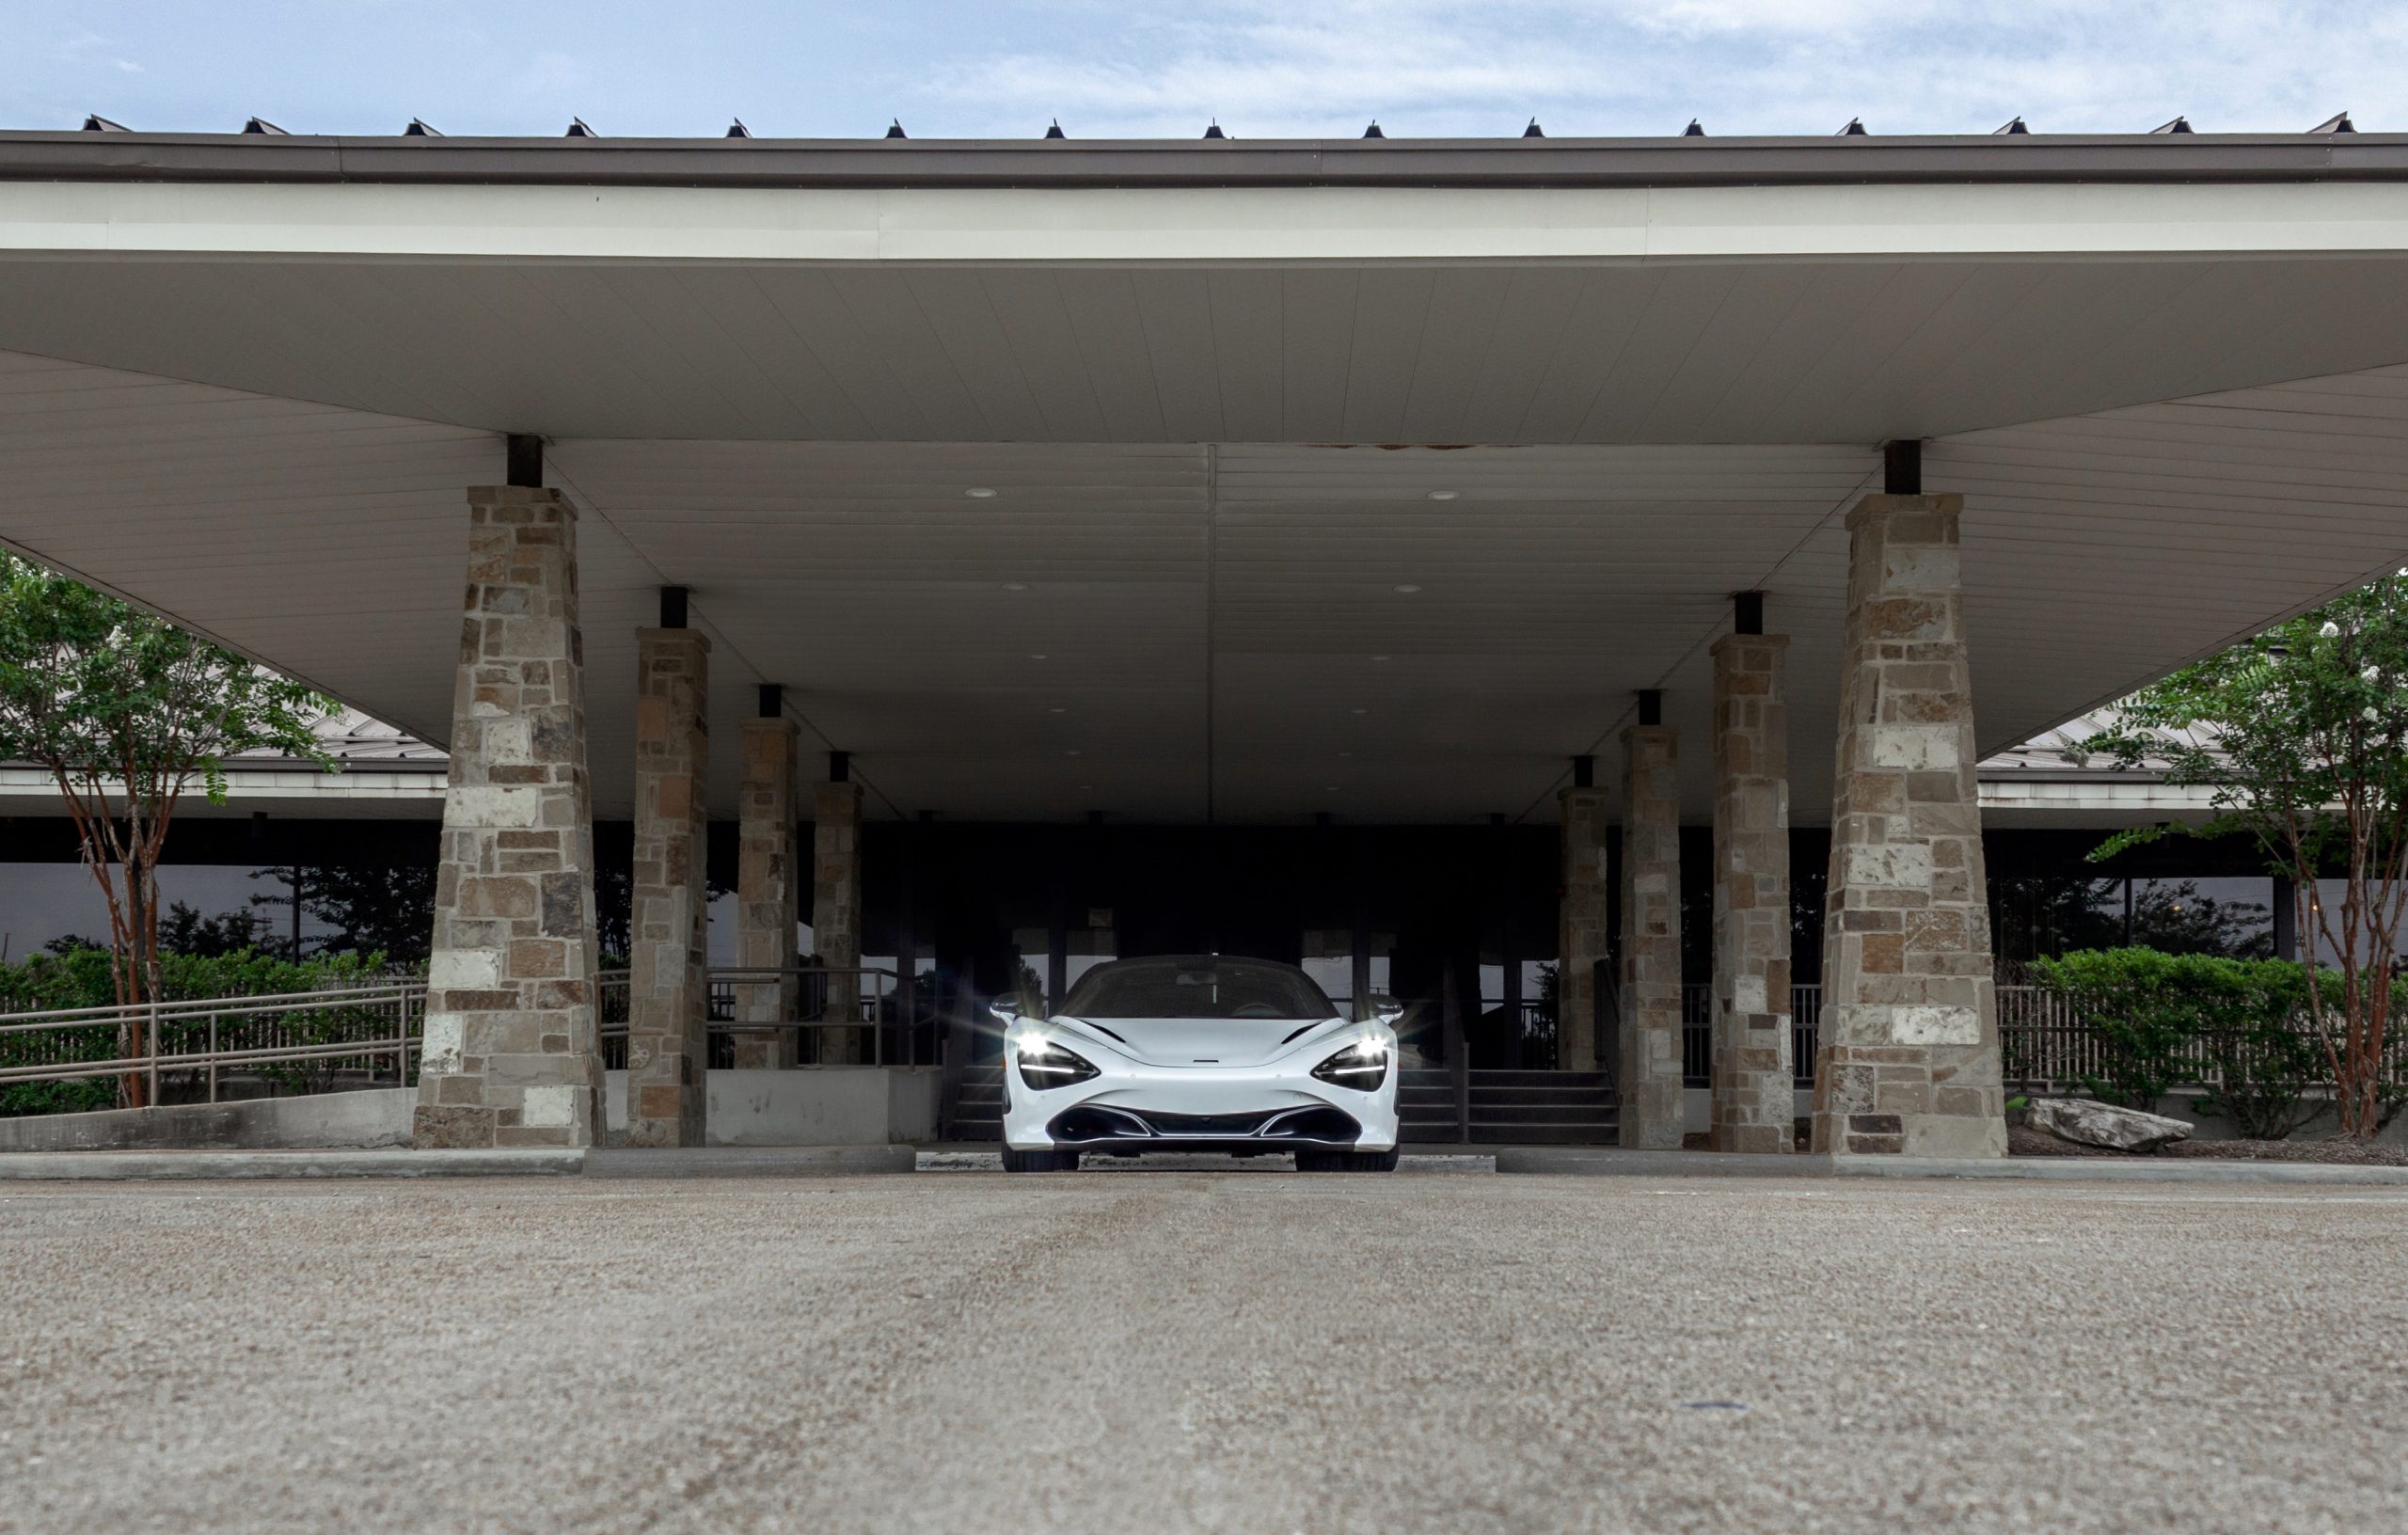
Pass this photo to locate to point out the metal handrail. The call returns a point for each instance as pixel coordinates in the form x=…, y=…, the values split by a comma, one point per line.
x=400, y=1038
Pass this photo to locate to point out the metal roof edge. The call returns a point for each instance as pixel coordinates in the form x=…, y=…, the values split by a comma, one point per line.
x=1130, y=163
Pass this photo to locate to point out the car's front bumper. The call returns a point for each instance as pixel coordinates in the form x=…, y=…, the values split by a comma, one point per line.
x=1128, y=1106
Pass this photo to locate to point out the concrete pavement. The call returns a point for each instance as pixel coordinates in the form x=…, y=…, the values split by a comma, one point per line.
x=1202, y=1353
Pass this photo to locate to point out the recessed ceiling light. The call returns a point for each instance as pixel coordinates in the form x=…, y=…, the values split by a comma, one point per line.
x=1379, y=658
x=1407, y=587
x=1361, y=710
x=1036, y=655
x=1436, y=495
x=1346, y=754
x=1329, y=788
x=1085, y=788
x=1015, y=586
x=1070, y=752
x=980, y=493
x=1057, y=709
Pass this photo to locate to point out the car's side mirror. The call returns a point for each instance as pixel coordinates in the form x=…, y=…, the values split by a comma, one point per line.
x=1385, y=1010
x=1006, y=1009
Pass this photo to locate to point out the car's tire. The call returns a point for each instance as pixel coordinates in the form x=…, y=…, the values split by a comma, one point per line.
x=1040, y=1161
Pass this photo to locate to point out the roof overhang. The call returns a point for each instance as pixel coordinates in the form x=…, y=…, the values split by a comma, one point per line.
x=1216, y=404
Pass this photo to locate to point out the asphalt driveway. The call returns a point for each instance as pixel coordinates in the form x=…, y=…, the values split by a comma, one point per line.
x=1181, y=1352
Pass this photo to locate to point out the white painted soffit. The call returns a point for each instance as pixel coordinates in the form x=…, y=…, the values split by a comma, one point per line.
x=1200, y=225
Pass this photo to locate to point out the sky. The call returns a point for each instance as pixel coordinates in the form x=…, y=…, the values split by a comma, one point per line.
x=1147, y=69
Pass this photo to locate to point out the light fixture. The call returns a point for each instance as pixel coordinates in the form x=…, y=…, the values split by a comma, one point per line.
x=1070, y=752
x=1380, y=657
x=1329, y=788
x=1444, y=494
x=980, y=493
x=1036, y=655
x=1015, y=586
x=1057, y=709
x=1342, y=755
x=1406, y=589
x=1361, y=710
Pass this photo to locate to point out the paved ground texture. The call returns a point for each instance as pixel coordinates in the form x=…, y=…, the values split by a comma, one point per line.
x=975, y=1352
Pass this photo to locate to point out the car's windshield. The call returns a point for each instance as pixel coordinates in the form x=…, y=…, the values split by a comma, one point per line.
x=1197, y=987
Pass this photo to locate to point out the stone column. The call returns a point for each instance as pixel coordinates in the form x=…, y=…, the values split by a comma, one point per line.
x=668, y=982
x=1907, y=1058
x=1582, y=928
x=836, y=912
x=511, y=1056
x=1755, y=1075
x=1649, y=1040
x=765, y=877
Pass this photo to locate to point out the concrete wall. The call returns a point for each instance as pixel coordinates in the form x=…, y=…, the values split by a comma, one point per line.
x=833, y=1105
x=1696, y=1107
x=380, y=1117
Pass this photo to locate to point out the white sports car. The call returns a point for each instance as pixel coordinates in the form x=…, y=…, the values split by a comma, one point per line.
x=1199, y=1052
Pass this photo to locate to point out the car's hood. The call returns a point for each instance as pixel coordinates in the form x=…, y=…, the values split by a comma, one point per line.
x=1205, y=1041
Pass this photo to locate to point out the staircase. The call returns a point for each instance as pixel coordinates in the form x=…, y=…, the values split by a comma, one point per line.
x=979, y=1113
x=1508, y=1108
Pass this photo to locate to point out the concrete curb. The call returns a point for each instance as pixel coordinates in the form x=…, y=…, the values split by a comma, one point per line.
x=120, y=1166
x=748, y=1161
x=1607, y=1162
x=605, y=1162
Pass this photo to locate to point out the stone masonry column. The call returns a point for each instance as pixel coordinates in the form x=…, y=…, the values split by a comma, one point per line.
x=1582, y=940
x=836, y=907
x=1907, y=1058
x=1649, y=1050
x=668, y=982
x=511, y=1056
x=1754, y=1076
x=765, y=877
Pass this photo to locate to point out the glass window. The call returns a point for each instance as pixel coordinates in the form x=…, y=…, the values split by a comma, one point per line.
x=2232, y=917
x=1329, y=959
x=1090, y=947
x=1197, y=986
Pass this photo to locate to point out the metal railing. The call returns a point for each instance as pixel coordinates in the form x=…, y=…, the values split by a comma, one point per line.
x=380, y=1029
x=354, y=1028
x=1697, y=1034
x=881, y=1007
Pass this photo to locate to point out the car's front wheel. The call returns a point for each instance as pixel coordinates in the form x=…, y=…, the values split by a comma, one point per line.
x=1346, y=1162
x=1040, y=1161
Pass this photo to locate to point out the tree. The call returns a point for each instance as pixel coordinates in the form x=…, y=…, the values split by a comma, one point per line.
x=375, y=910
x=2301, y=738
x=129, y=713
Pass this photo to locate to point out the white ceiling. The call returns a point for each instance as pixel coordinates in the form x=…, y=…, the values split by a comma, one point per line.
x=1793, y=350
x=1209, y=613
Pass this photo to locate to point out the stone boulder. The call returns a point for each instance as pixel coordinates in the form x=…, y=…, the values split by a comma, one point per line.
x=2087, y=1123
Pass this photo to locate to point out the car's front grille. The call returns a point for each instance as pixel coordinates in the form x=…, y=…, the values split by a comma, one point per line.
x=1181, y=1125
x=1090, y=1122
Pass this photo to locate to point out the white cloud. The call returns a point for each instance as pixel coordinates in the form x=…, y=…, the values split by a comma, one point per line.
x=1745, y=66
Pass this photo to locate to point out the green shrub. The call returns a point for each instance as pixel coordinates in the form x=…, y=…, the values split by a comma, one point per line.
x=2264, y=1051
x=2144, y=1007
x=2239, y=1028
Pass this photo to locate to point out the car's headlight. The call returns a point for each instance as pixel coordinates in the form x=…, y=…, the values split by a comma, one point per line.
x=1362, y=1066
x=1044, y=1064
